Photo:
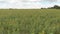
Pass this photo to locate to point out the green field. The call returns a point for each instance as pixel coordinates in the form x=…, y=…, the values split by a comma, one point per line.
x=31, y=21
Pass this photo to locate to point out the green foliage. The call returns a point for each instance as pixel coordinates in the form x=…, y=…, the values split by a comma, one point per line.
x=55, y=7
x=31, y=21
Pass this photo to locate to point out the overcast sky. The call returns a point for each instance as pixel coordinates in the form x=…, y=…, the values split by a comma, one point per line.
x=28, y=3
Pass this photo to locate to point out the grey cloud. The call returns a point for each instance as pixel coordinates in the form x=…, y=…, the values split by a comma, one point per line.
x=50, y=0
x=2, y=1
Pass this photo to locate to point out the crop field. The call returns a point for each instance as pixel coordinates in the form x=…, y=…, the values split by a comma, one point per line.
x=30, y=21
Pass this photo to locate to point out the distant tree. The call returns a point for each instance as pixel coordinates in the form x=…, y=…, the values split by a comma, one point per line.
x=43, y=8
x=54, y=7
x=10, y=8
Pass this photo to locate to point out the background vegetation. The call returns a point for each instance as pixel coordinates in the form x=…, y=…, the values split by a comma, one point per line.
x=31, y=21
x=54, y=7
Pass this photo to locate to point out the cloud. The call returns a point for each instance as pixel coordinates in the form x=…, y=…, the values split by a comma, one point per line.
x=18, y=4
x=27, y=3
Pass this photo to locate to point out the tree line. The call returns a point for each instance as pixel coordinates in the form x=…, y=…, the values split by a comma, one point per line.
x=54, y=7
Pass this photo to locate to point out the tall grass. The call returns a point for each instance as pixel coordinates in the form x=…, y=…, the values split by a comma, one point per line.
x=38, y=21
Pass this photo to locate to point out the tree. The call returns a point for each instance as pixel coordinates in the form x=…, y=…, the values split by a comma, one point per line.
x=54, y=7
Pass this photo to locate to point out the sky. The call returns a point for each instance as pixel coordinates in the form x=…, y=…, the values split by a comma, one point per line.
x=25, y=4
